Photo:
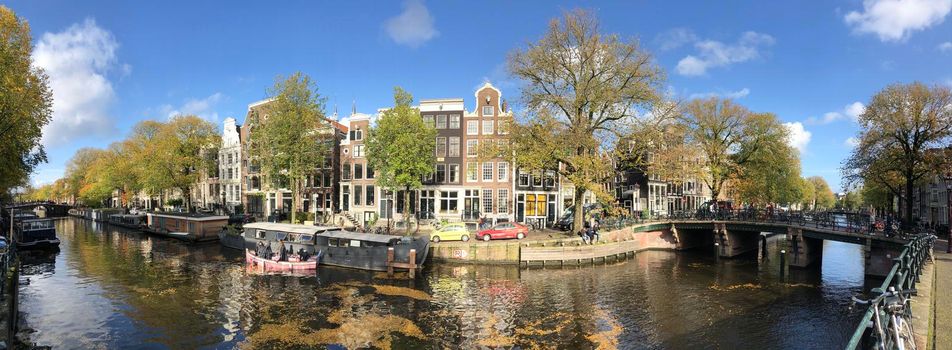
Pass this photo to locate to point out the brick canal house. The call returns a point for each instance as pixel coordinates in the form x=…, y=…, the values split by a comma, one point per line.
x=489, y=183
x=230, y=165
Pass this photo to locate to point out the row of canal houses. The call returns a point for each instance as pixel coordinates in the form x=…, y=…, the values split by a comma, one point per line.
x=344, y=191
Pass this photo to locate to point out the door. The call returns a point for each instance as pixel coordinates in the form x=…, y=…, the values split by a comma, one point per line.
x=345, y=198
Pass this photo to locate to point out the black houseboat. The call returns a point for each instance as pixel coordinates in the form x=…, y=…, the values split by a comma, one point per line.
x=337, y=247
x=34, y=233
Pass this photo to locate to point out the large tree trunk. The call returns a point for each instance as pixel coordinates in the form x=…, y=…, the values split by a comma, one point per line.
x=579, y=215
x=406, y=209
x=908, y=202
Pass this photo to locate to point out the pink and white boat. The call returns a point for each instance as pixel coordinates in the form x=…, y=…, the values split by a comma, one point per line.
x=269, y=265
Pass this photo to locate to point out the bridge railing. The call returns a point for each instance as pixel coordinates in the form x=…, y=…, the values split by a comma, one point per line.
x=903, y=275
x=842, y=221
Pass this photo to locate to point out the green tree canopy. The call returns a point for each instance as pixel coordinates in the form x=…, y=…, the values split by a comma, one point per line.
x=771, y=174
x=25, y=103
x=823, y=197
x=400, y=147
x=903, y=133
x=582, y=89
x=290, y=137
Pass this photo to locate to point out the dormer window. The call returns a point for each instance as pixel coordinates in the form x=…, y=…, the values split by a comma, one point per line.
x=487, y=111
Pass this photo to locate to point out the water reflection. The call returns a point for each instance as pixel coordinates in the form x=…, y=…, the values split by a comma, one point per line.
x=113, y=288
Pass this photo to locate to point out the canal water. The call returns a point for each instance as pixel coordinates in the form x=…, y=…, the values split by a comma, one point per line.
x=110, y=287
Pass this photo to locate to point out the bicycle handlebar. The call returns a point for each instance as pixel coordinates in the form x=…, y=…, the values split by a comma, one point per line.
x=888, y=293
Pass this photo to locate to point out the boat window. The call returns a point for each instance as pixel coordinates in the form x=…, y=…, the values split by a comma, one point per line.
x=281, y=236
x=354, y=243
x=259, y=234
x=332, y=242
x=305, y=238
x=344, y=243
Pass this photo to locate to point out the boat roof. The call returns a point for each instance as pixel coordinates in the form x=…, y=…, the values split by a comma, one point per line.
x=291, y=228
x=189, y=216
x=369, y=237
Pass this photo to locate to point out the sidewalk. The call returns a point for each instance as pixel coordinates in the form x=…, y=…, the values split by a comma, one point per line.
x=933, y=306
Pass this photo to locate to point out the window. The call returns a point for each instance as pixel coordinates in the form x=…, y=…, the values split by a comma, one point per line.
x=441, y=121
x=370, y=172
x=454, y=121
x=487, y=201
x=472, y=147
x=503, y=127
x=449, y=202
x=487, y=127
x=327, y=179
x=502, y=174
x=358, y=151
x=358, y=171
x=487, y=171
x=502, y=202
x=537, y=180
x=356, y=135
x=454, y=147
x=549, y=179
x=441, y=173
x=345, y=172
x=471, y=169
x=441, y=147
x=472, y=127
x=229, y=158
x=370, y=195
x=487, y=111
x=427, y=201
x=428, y=120
x=358, y=195
x=454, y=173
x=523, y=179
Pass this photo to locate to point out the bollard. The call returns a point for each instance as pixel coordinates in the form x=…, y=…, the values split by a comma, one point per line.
x=783, y=262
x=717, y=250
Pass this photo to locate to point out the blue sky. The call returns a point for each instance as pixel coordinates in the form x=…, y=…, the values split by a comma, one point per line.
x=813, y=63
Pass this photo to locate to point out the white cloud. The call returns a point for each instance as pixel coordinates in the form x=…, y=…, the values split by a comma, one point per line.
x=895, y=20
x=945, y=47
x=413, y=26
x=729, y=94
x=713, y=54
x=675, y=38
x=77, y=61
x=852, y=142
x=852, y=112
x=203, y=108
x=799, y=136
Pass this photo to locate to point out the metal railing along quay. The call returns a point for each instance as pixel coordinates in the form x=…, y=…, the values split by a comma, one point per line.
x=903, y=275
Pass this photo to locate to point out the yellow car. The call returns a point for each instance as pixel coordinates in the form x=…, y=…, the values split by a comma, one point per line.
x=450, y=232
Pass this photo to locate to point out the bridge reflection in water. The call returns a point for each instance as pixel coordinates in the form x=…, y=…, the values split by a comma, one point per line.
x=118, y=289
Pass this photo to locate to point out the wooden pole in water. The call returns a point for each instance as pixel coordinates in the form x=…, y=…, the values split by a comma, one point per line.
x=390, y=262
x=412, y=271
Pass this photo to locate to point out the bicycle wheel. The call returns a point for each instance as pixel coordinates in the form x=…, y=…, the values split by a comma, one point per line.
x=905, y=338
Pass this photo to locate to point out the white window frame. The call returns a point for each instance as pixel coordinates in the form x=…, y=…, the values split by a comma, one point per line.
x=472, y=127
x=490, y=173
x=358, y=151
x=502, y=127
x=472, y=173
x=441, y=141
x=472, y=148
x=490, y=125
x=452, y=173
x=502, y=171
x=453, y=147
x=487, y=195
x=502, y=201
x=454, y=121
x=441, y=121
x=490, y=109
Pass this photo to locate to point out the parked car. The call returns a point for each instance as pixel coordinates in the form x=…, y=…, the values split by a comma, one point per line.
x=504, y=230
x=566, y=222
x=451, y=232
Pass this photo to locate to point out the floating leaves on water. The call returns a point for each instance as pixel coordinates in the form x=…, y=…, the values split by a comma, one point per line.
x=401, y=291
x=748, y=286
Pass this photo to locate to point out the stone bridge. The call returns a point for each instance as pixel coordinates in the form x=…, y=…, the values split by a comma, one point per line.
x=49, y=209
x=804, y=239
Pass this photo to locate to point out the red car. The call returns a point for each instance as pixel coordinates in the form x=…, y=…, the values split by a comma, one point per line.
x=504, y=230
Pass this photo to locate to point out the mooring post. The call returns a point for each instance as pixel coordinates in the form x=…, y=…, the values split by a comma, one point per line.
x=717, y=250
x=783, y=261
x=390, y=262
x=412, y=271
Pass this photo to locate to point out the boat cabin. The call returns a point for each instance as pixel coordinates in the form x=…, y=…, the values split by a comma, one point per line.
x=355, y=239
x=196, y=226
x=290, y=233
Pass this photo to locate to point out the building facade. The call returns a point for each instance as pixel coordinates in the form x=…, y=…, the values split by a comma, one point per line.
x=230, y=165
x=488, y=183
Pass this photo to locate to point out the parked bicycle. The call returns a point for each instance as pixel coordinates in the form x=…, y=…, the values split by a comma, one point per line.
x=891, y=319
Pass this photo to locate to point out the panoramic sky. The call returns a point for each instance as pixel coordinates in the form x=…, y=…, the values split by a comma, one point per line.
x=813, y=63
